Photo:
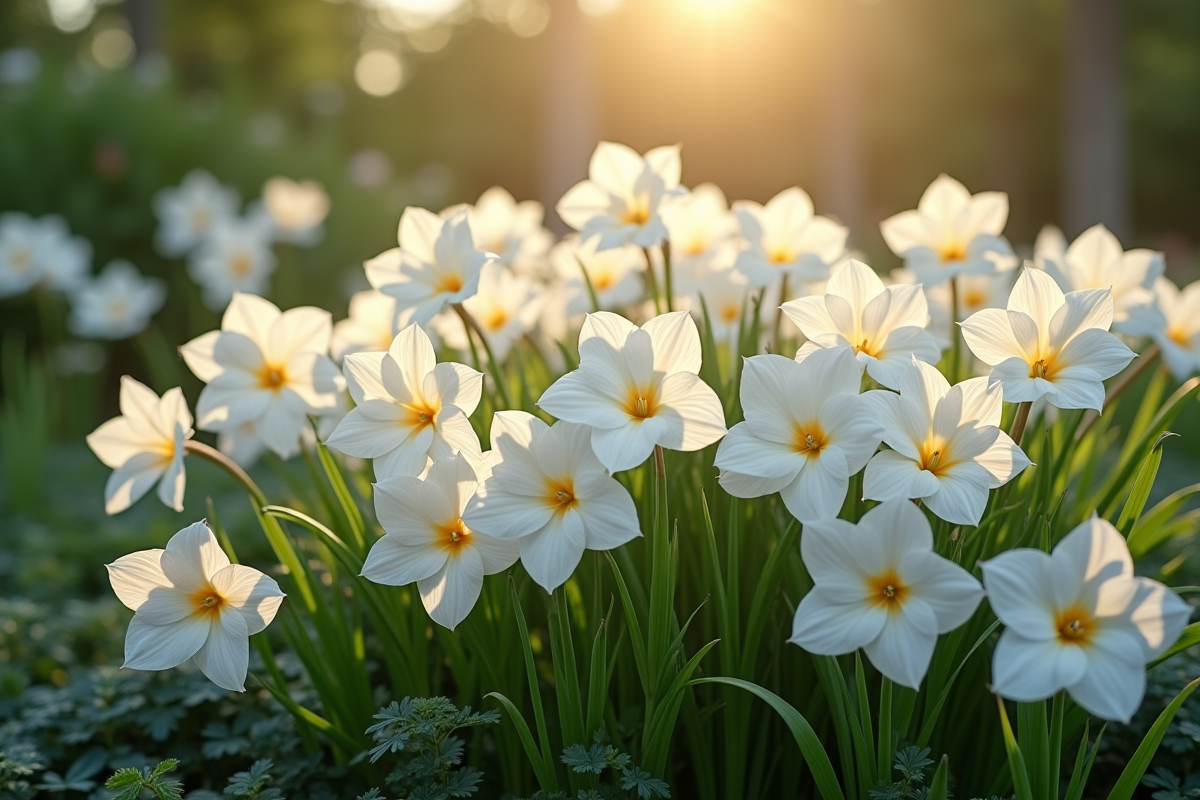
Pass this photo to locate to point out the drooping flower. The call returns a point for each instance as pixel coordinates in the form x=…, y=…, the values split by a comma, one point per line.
x=409, y=409
x=296, y=210
x=1095, y=261
x=427, y=542
x=951, y=232
x=1048, y=344
x=550, y=494
x=1078, y=619
x=806, y=431
x=1178, y=331
x=637, y=388
x=236, y=256
x=879, y=586
x=189, y=602
x=265, y=367
x=510, y=230
x=144, y=446
x=885, y=325
x=620, y=202
x=436, y=263
x=189, y=212
x=506, y=307
x=947, y=447
x=785, y=238
x=615, y=274
x=116, y=304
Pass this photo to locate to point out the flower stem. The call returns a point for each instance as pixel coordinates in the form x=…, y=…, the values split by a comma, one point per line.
x=667, y=283
x=783, y=290
x=470, y=325
x=1018, y=426
x=587, y=282
x=226, y=463
x=1119, y=386
x=955, y=336
x=652, y=280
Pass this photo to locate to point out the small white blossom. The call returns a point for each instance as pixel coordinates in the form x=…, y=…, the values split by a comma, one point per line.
x=189, y=212
x=785, y=239
x=116, y=304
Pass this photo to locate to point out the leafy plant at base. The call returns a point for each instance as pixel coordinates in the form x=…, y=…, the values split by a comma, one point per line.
x=129, y=783
x=911, y=763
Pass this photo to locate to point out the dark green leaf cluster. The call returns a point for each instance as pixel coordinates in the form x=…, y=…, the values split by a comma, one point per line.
x=18, y=762
x=626, y=781
x=1171, y=786
x=912, y=764
x=418, y=732
x=129, y=783
x=252, y=784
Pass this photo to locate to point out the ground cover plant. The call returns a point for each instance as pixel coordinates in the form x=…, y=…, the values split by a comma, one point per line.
x=691, y=503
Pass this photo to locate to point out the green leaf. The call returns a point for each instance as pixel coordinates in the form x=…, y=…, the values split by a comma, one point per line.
x=1189, y=637
x=1140, y=492
x=938, y=789
x=1016, y=761
x=1136, y=766
x=539, y=714
x=545, y=774
x=1083, y=764
x=810, y=745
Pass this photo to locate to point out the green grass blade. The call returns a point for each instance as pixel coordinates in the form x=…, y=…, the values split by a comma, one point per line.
x=1136, y=767
x=938, y=789
x=535, y=694
x=545, y=774
x=1016, y=761
x=631, y=619
x=1139, y=493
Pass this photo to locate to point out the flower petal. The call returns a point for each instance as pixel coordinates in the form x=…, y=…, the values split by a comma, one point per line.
x=1028, y=670
x=254, y=594
x=904, y=647
x=551, y=554
x=163, y=646
x=225, y=656
x=449, y=595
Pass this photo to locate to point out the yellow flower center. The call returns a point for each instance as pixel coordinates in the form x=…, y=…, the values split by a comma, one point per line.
x=1043, y=368
x=602, y=281
x=240, y=265
x=867, y=347
x=420, y=413
x=1179, y=337
x=730, y=313
x=454, y=536
x=272, y=377
x=21, y=259
x=560, y=495
x=637, y=212
x=1075, y=625
x=495, y=319
x=973, y=298
x=809, y=440
x=887, y=590
x=450, y=283
x=780, y=255
x=952, y=251
x=207, y=601
x=201, y=220
x=935, y=456
x=641, y=403
x=695, y=247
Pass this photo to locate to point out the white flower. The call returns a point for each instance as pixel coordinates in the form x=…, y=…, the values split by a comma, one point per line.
x=187, y=213
x=240, y=442
x=807, y=430
x=878, y=585
x=62, y=259
x=729, y=300
x=426, y=541
x=1049, y=345
x=236, y=256
x=190, y=602
x=621, y=200
x=947, y=446
x=409, y=409
x=550, y=493
x=702, y=230
x=265, y=367
x=1178, y=333
x=144, y=446
x=885, y=325
x=637, y=388
x=374, y=320
x=615, y=273
x=296, y=209
x=510, y=230
x=506, y=307
x=975, y=293
x=784, y=238
x=116, y=304
x=436, y=263
x=1078, y=619
x=19, y=266
x=951, y=232
x=1095, y=261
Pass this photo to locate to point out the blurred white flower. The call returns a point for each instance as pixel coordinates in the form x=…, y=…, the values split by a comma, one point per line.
x=885, y=325
x=408, y=408
x=19, y=267
x=436, y=263
x=265, y=367
x=615, y=274
x=951, y=232
x=296, y=209
x=374, y=321
x=1078, y=619
x=702, y=232
x=510, y=230
x=637, y=388
x=425, y=540
x=785, y=239
x=620, y=202
x=879, y=586
x=729, y=300
x=947, y=446
x=1095, y=261
x=240, y=442
x=1049, y=345
x=144, y=446
x=187, y=213
x=506, y=307
x=550, y=494
x=63, y=260
x=975, y=292
x=1178, y=333
x=807, y=430
x=236, y=256
x=190, y=602
x=116, y=304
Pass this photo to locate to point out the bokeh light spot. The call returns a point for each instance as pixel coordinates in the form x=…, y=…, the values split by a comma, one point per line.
x=112, y=48
x=379, y=72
